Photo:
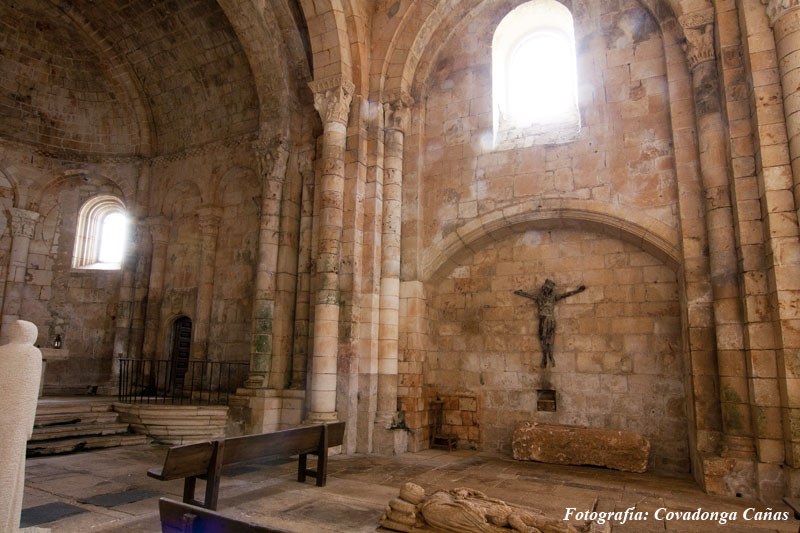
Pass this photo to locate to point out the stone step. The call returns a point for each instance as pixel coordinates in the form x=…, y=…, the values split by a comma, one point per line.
x=97, y=417
x=53, y=406
x=77, y=430
x=60, y=446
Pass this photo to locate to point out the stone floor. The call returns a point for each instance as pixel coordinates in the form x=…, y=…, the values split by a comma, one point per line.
x=360, y=486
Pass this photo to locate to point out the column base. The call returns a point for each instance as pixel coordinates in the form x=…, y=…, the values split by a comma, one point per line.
x=321, y=418
x=270, y=409
x=389, y=441
x=255, y=381
x=730, y=476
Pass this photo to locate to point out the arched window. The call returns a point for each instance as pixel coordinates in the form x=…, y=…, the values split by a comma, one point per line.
x=102, y=234
x=534, y=76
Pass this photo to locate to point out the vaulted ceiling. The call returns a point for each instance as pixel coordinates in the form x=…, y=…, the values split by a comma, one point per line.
x=125, y=77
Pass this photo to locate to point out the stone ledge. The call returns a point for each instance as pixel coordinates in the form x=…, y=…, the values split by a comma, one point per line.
x=575, y=445
x=175, y=424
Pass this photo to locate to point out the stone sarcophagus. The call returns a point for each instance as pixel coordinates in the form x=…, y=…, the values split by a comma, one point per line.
x=575, y=445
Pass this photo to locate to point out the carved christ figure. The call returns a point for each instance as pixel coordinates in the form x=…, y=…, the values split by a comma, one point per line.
x=546, y=299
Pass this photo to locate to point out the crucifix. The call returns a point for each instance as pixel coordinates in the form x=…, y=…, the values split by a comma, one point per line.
x=546, y=299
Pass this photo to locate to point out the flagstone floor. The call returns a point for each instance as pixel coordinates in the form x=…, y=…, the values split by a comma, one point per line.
x=109, y=491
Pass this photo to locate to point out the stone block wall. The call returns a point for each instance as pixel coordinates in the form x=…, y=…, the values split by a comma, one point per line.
x=623, y=156
x=617, y=345
x=460, y=417
x=79, y=304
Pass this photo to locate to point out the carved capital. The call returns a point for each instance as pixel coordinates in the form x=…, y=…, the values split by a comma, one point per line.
x=332, y=97
x=778, y=8
x=272, y=155
x=23, y=222
x=698, y=28
x=397, y=111
x=159, y=229
x=208, y=219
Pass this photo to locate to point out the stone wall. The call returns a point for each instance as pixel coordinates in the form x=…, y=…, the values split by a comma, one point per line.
x=617, y=346
x=221, y=179
x=460, y=417
x=623, y=156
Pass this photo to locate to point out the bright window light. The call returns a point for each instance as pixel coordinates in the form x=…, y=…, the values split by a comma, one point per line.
x=101, y=234
x=534, y=76
x=540, y=80
x=113, y=236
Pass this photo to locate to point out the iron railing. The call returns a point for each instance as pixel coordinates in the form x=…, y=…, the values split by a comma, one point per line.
x=190, y=382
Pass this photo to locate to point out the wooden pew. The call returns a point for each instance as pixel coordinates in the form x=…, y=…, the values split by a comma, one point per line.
x=179, y=517
x=205, y=460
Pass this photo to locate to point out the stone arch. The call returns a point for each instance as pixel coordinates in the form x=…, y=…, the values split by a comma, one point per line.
x=7, y=176
x=330, y=46
x=122, y=189
x=238, y=174
x=180, y=188
x=416, y=45
x=270, y=65
x=643, y=231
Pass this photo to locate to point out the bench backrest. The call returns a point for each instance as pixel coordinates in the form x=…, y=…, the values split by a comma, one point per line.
x=179, y=517
x=193, y=459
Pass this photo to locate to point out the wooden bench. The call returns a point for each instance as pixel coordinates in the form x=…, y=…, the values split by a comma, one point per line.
x=205, y=460
x=179, y=517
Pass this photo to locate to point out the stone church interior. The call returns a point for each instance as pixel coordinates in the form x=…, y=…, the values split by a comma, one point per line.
x=482, y=243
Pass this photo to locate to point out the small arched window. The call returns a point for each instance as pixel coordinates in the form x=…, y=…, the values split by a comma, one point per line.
x=534, y=76
x=102, y=234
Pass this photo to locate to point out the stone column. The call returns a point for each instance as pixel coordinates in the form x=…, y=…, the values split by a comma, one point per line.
x=396, y=116
x=332, y=100
x=737, y=439
x=23, y=222
x=208, y=218
x=784, y=17
x=272, y=156
x=159, y=231
x=134, y=249
x=125, y=306
x=302, y=297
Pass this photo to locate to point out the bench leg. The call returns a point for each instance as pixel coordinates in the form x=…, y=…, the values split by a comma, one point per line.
x=301, y=467
x=322, y=458
x=188, y=490
x=213, y=475
x=322, y=468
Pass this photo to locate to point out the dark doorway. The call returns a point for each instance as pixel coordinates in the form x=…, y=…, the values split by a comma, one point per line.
x=181, y=346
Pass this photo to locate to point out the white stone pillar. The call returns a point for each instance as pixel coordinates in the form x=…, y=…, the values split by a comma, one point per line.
x=272, y=157
x=23, y=223
x=208, y=219
x=332, y=100
x=396, y=117
x=159, y=231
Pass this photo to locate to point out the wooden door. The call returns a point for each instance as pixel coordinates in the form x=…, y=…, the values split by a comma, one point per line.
x=181, y=347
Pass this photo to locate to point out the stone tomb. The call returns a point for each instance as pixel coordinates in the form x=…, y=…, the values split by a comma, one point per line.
x=575, y=445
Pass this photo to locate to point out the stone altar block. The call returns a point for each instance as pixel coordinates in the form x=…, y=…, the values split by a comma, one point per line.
x=20, y=373
x=575, y=445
